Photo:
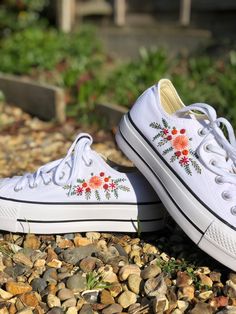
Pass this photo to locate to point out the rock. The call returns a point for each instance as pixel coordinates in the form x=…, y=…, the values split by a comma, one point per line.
x=134, y=283
x=150, y=271
x=88, y=264
x=115, y=289
x=80, y=241
x=50, y=276
x=112, y=309
x=228, y=310
x=38, y=284
x=205, y=295
x=126, y=270
x=74, y=255
x=16, y=288
x=72, y=310
x=51, y=255
x=205, y=280
x=12, y=309
x=16, y=270
x=5, y=295
x=106, y=297
x=53, y=301
x=232, y=277
x=108, y=274
x=215, y=276
x=64, y=243
x=32, y=242
x=86, y=309
x=26, y=310
x=93, y=236
x=230, y=288
x=30, y=299
x=20, y=258
x=149, y=249
x=76, y=283
x=201, y=308
x=55, y=263
x=220, y=301
x=3, y=310
x=90, y=296
x=183, y=279
x=155, y=286
x=39, y=263
x=127, y=298
x=182, y=305
x=186, y=293
x=4, y=277
x=69, y=303
x=65, y=294
x=160, y=304
x=56, y=310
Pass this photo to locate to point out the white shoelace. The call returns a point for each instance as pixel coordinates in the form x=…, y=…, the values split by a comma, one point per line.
x=223, y=167
x=79, y=152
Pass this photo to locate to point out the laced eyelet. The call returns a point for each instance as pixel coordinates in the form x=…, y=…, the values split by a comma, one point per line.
x=62, y=175
x=218, y=180
x=233, y=210
x=90, y=163
x=225, y=195
x=49, y=181
x=17, y=189
x=33, y=186
x=201, y=132
x=212, y=162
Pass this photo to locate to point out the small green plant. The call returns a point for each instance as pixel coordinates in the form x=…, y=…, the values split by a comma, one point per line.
x=95, y=281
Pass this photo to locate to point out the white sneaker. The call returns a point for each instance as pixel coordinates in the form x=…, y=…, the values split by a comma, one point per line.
x=189, y=162
x=79, y=193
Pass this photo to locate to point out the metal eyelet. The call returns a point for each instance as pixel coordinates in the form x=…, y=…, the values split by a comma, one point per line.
x=90, y=163
x=218, y=180
x=225, y=195
x=49, y=181
x=33, y=186
x=206, y=148
x=200, y=132
x=17, y=189
x=212, y=162
x=233, y=210
x=62, y=175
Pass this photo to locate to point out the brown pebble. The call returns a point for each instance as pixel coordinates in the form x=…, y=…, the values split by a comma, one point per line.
x=106, y=298
x=32, y=241
x=16, y=288
x=30, y=299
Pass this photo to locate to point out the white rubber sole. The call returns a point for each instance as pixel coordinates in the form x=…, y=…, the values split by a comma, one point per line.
x=210, y=233
x=64, y=218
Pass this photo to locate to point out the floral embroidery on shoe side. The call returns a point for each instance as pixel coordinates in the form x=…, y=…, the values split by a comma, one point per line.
x=99, y=185
x=179, y=144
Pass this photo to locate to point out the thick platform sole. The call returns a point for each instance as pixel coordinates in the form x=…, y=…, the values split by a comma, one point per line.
x=64, y=218
x=211, y=234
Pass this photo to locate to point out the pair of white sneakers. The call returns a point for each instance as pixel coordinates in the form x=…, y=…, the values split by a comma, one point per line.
x=184, y=158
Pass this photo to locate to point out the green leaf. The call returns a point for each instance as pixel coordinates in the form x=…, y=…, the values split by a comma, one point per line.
x=160, y=134
x=97, y=195
x=123, y=188
x=168, y=150
x=195, y=165
x=155, y=125
x=165, y=123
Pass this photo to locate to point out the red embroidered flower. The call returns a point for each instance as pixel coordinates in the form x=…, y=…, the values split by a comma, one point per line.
x=184, y=161
x=112, y=185
x=165, y=131
x=185, y=152
x=169, y=137
x=106, y=179
x=178, y=153
x=88, y=190
x=95, y=182
x=79, y=190
x=174, y=131
x=84, y=185
x=182, y=131
x=105, y=186
x=102, y=174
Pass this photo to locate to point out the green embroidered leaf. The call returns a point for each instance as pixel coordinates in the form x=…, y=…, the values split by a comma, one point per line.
x=165, y=123
x=123, y=188
x=80, y=180
x=115, y=193
x=97, y=195
x=155, y=125
x=168, y=150
x=162, y=142
x=119, y=180
x=195, y=165
x=66, y=187
x=187, y=169
x=157, y=136
x=108, y=195
x=88, y=195
x=173, y=158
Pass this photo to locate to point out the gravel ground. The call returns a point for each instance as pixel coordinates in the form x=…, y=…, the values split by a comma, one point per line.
x=95, y=272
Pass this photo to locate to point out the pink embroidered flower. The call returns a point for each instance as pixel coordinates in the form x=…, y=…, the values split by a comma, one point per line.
x=165, y=131
x=79, y=190
x=184, y=161
x=180, y=142
x=95, y=182
x=112, y=185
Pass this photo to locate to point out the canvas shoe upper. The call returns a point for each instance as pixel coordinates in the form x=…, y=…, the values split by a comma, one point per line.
x=80, y=192
x=190, y=163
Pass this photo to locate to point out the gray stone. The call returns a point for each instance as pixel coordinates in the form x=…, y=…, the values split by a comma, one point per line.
x=90, y=296
x=50, y=275
x=16, y=270
x=65, y=294
x=76, y=283
x=155, y=286
x=38, y=284
x=113, y=308
x=200, y=308
x=150, y=271
x=74, y=255
x=86, y=309
x=56, y=310
x=69, y=303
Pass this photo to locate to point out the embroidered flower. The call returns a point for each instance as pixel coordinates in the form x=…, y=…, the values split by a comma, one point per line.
x=178, y=143
x=99, y=185
x=95, y=182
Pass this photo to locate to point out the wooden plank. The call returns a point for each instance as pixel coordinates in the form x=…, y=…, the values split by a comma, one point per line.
x=185, y=12
x=41, y=100
x=65, y=14
x=119, y=12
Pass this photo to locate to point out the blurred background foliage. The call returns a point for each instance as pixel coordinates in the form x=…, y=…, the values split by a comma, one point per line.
x=31, y=46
